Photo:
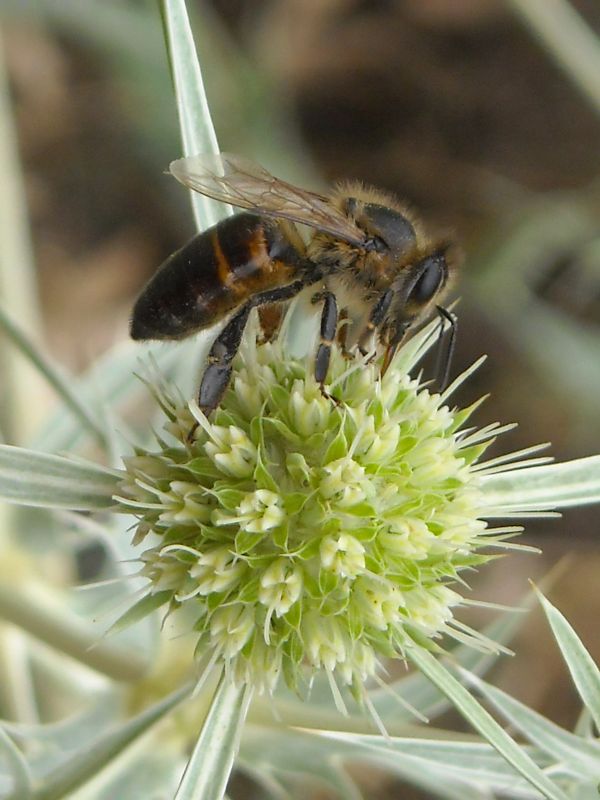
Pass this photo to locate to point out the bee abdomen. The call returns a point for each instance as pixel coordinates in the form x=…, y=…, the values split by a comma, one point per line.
x=213, y=274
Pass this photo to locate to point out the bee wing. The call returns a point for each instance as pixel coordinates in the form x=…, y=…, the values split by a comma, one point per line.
x=240, y=182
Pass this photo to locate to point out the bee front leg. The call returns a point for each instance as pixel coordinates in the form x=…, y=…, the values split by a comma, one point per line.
x=329, y=318
x=376, y=317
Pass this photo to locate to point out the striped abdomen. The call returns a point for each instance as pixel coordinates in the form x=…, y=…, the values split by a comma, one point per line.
x=214, y=273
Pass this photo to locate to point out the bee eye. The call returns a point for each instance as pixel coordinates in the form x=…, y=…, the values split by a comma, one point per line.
x=429, y=281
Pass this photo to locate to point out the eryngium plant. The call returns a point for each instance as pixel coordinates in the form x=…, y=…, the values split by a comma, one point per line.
x=304, y=532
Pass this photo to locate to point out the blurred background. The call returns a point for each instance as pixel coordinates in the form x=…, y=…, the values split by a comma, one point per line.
x=484, y=115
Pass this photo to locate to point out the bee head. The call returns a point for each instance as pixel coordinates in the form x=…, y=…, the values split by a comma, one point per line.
x=414, y=291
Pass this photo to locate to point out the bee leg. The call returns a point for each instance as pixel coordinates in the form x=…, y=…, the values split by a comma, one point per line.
x=376, y=317
x=329, y=318
x=445, y=354
x=218, y=372
x=342, y=333
x=220, y=358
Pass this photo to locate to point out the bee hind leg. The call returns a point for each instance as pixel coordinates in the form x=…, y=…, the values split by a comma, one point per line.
x=217, y=374
x=329, y=319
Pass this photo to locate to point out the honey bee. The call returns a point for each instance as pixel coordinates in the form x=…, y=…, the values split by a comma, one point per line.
x=366, y=256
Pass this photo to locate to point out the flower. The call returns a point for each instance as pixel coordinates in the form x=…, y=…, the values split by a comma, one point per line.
x=306, y=531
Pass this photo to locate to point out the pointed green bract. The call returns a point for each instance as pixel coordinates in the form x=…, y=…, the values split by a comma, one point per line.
x=210, y=763
x=36, y=479
x=585, y=673
x=572, y=483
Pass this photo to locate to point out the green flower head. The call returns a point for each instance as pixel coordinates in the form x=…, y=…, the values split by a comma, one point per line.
x=304, y=532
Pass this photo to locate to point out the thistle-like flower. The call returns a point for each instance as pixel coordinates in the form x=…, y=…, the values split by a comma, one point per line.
x=304, y=532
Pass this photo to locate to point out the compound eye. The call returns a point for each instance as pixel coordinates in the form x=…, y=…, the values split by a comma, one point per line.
x=429, y=281
x=376, y=244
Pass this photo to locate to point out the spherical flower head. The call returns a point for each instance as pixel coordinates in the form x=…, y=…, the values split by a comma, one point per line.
x=306, y=530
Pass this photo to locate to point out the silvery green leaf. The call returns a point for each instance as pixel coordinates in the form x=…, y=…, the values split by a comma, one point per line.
x=292, y=756
x=580, y=757
x=572, y=483
x=195, y=123
x=584, y=726
x=210, y=764
x=585, y=791
x=111, y=378
x=63, y=384
x=141, y=609
x=149, y=773
x=51, y=744
x=84, y=764
x=36, y=479
x=319, y=756
x=585, y=673
x=475, y=763
x=45, y=617
x=423, y=695
x=483, y=723
x=19, y=778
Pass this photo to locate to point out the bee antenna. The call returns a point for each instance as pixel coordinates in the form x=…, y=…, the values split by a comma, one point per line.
x=445, y=351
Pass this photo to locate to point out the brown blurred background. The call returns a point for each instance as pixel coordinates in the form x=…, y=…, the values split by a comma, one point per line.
x=455, y=105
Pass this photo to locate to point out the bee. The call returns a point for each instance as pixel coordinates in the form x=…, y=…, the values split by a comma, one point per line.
x=365, y=256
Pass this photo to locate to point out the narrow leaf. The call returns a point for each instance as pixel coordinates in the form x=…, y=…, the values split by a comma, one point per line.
x=86, y=763
x=195, y=123
x=208, y=769
x=323, y=755
x=572, y=483
x=585, y=673
x=36, y=479
x=40, y=614
x=17, y=766
x=61, y=383
x=474, y=763
x=479, y=718
x=580, y=756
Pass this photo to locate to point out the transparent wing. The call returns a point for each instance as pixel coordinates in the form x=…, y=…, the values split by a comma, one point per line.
x=240, y=182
